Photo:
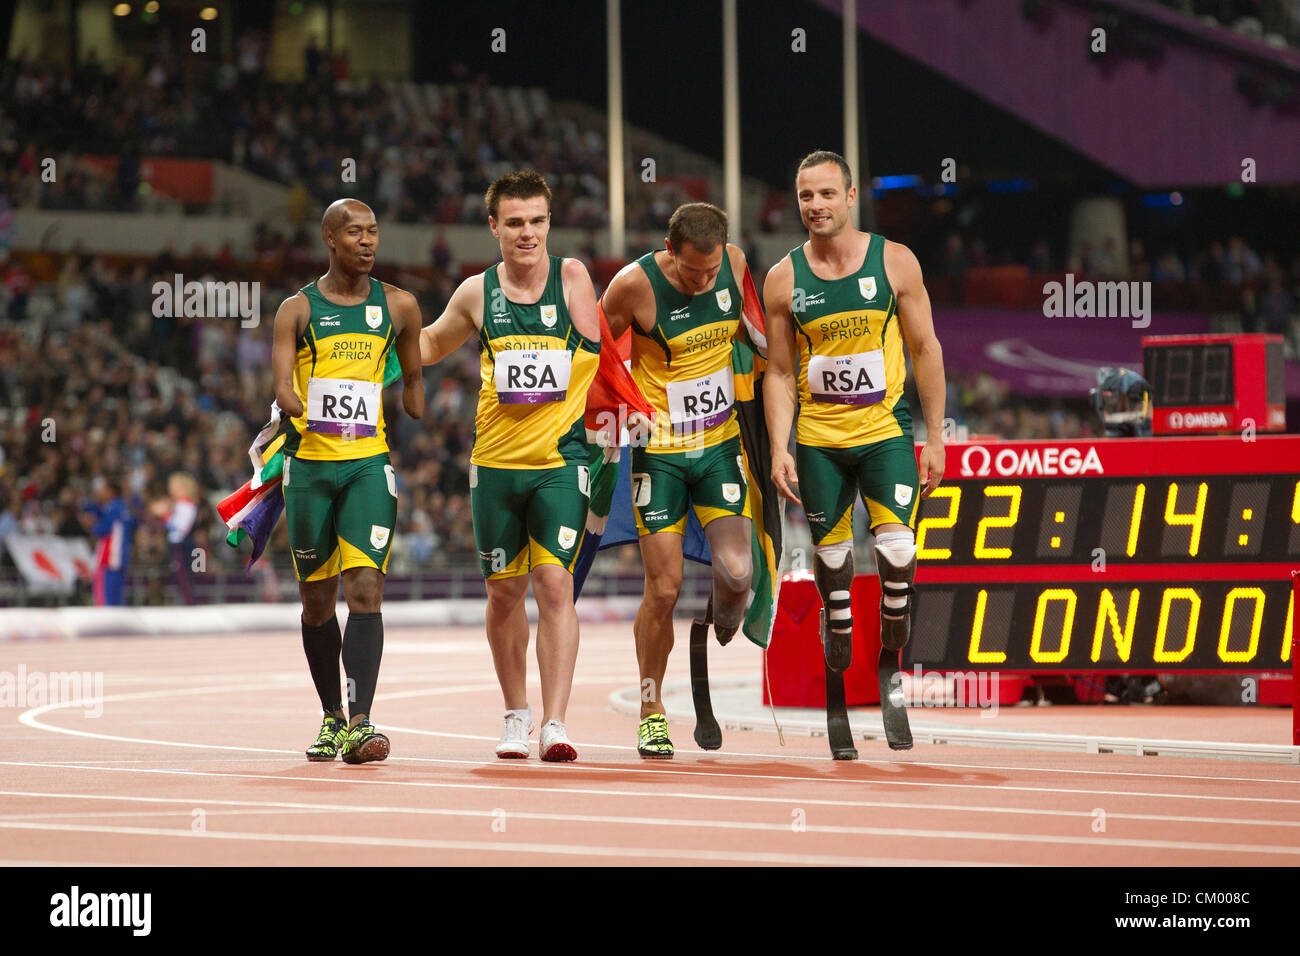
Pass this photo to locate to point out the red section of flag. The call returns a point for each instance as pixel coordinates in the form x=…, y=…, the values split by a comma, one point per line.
x=613, y=392
x=755, y=321
x=42, y=561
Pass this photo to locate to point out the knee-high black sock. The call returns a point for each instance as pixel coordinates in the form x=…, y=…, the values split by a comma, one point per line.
x=322, y=644
x=363, y=646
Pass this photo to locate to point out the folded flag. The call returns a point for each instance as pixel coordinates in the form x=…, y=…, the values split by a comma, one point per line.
x=253, y=511
x=612, y=521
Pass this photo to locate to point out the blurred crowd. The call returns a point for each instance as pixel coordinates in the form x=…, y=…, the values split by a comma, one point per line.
x=421, y=153
x=1277, y=22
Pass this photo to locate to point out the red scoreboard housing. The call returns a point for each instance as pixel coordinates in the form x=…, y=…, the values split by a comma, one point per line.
x=1203, y=384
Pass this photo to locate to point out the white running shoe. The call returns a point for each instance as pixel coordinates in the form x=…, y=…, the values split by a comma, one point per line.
x=556, y=745
x=515, y=728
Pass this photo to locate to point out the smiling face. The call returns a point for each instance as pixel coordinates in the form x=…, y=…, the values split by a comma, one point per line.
x=824, y=203
x=521, y=226
x=696, y=271
x=355, y=239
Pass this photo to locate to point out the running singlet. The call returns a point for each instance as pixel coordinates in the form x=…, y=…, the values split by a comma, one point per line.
x=851, y=365
x=683, y=364
x=338, y=376
x=536, y=370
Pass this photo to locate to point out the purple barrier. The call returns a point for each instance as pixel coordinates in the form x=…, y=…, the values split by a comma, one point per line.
x=1152, y=125
x=1057, y=356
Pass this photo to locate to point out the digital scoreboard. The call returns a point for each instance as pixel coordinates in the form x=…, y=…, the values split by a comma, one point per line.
x=1202, y=384
x=1111, y=555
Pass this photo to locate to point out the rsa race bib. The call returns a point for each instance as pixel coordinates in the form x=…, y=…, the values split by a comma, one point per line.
x=857, y=379
x=532, y=377
x=343, y=406
x=697, y=404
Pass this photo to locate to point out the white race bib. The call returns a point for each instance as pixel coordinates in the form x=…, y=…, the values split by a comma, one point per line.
x=532, y=377
x=700, y=403
x=343, y=406
x=857, y=379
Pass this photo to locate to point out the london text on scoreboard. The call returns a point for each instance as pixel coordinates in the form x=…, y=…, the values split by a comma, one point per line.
x=1120, y=555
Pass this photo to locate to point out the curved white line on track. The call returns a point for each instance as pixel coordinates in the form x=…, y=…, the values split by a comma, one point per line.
x=29, y=718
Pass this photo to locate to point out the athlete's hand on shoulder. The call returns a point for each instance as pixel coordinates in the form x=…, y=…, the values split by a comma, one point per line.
x=931, y=465
x=784, y=475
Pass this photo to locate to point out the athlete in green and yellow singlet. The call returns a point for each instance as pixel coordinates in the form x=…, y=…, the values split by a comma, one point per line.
x=839, y=308
x=534, y=316
x=684, y=304
x=332, y=341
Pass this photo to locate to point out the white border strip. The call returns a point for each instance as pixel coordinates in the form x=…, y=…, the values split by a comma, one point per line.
x=867, y=726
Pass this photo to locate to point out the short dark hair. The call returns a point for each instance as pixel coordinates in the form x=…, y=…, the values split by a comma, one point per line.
x=701, y=224
x=819, y=156
x=520, y=184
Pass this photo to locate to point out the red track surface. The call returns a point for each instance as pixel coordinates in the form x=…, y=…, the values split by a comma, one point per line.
x=197, y=759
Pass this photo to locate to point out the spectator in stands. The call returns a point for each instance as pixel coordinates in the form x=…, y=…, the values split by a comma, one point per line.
x=1241, y=264
x=1168, y=268
x=114, y=526
x=179, y=511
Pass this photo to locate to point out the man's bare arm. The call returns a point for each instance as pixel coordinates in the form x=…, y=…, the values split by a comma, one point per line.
x=779, y=392
x=624, y=296
x=290, y=319
x=917, y=323
x=406, y=311
x=457, y=323
x=580, y=296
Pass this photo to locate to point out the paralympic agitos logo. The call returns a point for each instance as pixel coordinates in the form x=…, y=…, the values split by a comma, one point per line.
x=978, y=462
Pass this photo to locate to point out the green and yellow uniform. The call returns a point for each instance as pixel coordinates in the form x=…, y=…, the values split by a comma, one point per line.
x=683, y=367
x=340, y=493
x=854, y=434
x=529, y=481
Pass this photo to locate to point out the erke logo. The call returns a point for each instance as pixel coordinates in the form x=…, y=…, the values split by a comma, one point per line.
x=867, y=286
x=548, y=316
x=374, y=316
x=724, y=299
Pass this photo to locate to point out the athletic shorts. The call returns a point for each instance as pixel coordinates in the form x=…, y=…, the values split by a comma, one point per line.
x=525, y=517
x=340, y=514
x=884, y=473
x=664, y=485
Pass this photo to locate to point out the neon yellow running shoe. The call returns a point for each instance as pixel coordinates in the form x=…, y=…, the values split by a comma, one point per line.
x=652, y=738
x=363, y=744
x=332, y=732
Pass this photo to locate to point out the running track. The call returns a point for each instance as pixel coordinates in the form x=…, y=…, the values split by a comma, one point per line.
x=196, y=759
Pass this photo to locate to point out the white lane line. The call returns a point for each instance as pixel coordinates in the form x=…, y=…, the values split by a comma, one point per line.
x=30, y=718
x=188, y=814
x=666, y=853
x=370, y=778
x=561, y=849
x=897, y=762
x=204, y=802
